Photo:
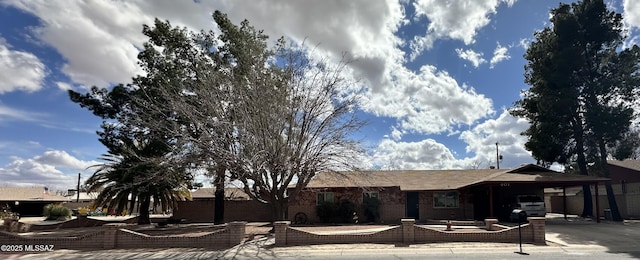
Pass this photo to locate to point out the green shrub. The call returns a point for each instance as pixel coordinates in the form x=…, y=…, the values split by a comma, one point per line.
x=8, y=214
x=371, y=209
x=56, y=212
x=346, y=210
x=336, y=213
x=327, y=212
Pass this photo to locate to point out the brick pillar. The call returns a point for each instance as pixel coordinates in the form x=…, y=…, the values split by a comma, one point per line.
x=110, y=235
x=281, y=232
x=489, y=223
x=236, y=232
x=81, y=220
x=408, y=232
x=537, y=223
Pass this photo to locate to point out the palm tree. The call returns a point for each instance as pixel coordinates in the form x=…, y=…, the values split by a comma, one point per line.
x=139, y=174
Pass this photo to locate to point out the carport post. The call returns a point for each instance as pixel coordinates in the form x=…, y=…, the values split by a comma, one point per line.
x=597, y=204
x=564, y=201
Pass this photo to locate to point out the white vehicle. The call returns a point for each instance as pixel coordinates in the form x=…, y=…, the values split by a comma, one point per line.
x=532, y=205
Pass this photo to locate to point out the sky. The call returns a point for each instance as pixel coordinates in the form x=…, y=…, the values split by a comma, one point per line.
x=438, y=75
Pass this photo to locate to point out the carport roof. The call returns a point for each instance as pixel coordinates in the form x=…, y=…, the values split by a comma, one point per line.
x=419, y=180
x=31, y=194
x=546, y=178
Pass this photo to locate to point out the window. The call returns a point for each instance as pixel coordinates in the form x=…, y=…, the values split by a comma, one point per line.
x=445, y=199
x=324, y=197
x=370, y=195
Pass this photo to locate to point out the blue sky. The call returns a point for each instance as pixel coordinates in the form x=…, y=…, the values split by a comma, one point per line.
x=438, y=75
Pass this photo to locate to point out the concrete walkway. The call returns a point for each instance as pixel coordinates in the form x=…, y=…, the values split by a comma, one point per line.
x=264, y=249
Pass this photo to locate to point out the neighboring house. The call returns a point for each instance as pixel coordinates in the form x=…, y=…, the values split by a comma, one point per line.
x=431, y=194
x=625, y=180
x=28, y=201
x=238, y=206
x=81, y=199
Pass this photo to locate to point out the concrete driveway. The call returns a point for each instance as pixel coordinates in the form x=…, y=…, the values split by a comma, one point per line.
x=587, y=234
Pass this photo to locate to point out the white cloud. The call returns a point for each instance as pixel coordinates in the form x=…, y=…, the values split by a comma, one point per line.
x=98, y=39
x=63, y=159
x=63, y=86
x=8, y=113
x=506, y=131
x=53, y=168
x=425, y=154
x=429, y=101
x=396, y=134
x=457, y=20
x=480, y=140
x=470, y=55
x=524, y=43
x=19, y=70
x=631, y=13
x=364, y=30
x=499, y=54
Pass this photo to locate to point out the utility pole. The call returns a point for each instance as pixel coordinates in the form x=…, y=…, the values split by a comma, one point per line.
x=78, y=189
x=497, y=157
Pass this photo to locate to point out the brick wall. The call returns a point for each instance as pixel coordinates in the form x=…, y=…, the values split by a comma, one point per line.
x=409, y=233
x=118, y=236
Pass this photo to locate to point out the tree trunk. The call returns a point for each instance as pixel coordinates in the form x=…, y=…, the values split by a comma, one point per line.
x=143, y=218
x=279, y=210
x=218, y=213
x=613, y=205
x=587, y=209
x=611, y=197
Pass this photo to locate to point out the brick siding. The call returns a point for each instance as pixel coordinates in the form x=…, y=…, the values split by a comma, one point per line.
x=392, y=205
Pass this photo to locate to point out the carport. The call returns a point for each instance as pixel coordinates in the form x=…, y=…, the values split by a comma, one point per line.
x=530, y=179
x=27, y=201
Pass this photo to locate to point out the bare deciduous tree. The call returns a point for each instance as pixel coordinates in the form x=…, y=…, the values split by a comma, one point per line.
x=269, y=118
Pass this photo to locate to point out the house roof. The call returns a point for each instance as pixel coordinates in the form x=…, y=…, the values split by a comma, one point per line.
x=32, y=194
x=406, y=180
x=547, y=178
x=415, y=180
x=629, y=164
x=229, y=193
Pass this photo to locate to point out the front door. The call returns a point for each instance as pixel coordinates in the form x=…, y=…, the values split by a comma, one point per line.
x=413, y=210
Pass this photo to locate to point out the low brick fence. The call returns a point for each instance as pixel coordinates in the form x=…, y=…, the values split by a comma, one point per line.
x=79, y=221
x=116, y=235
x=410, y=233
